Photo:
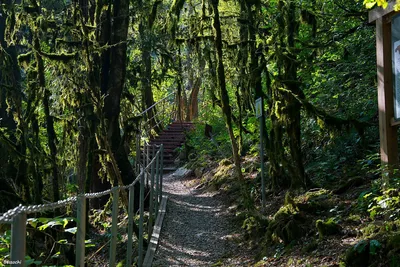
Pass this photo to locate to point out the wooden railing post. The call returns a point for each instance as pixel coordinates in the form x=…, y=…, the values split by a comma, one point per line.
x=18, y=240
x=137, y=163
x=81, y=231
x=141, y=207
x=131, y=215
x=114, y=230
x=147, y=163
x=161, y=171
x=151, y=205
x=157, y=191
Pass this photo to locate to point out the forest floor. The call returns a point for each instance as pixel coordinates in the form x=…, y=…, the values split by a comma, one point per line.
x=199, y=228
x=210, y=223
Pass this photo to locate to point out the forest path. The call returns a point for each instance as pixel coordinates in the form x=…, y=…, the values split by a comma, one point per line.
x=198, y=228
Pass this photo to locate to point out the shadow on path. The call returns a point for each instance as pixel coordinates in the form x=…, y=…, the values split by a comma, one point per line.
x=197, y=229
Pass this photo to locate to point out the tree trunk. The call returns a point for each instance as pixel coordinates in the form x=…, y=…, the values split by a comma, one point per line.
x=51, y=134
x=226, y=108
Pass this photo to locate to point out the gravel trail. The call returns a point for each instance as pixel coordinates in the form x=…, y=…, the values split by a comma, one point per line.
x=197, y=229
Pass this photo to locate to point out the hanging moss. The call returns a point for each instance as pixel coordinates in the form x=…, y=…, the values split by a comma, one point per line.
x=177, y=6
x=24, y=59
x=64, y=57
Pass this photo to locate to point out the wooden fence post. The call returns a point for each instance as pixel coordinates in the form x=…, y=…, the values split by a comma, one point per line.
x=18, y=240
x=131, y=215
x=114, y=229
x=81, y=231
x=141, y=206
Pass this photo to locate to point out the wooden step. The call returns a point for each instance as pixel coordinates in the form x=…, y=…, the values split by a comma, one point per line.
x=163, y=138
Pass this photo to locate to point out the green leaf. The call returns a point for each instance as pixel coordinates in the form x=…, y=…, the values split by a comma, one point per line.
x=360, y=246
x=62, y=241
x=374, y=245
x=33, y=222
x=56, y=256
x=72, y=230
x=370, y=5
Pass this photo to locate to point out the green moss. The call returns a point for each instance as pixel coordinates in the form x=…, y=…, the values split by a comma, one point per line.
x=354, y=218
x=328, y=227
x=370, y=230
x=314, y=201
x=225, y=162
x=287, y=224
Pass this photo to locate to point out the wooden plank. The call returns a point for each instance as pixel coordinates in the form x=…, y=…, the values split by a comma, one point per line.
x=388, y=133
x=151, y=251
x=393, y=122
x=380, y=12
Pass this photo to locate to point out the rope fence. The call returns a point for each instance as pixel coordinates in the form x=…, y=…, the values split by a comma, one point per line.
x=151, y=169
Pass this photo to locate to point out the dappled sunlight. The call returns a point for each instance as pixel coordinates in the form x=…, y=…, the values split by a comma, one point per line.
x=196, y=230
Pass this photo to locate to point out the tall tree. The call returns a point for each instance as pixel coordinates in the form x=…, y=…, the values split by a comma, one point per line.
x=226, y=108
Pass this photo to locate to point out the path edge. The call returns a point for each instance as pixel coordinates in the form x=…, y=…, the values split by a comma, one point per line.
x=151, y=251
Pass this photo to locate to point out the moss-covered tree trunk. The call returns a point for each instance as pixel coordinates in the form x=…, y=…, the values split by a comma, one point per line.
x=51, y=134
x=11, y=162
x=226, y=108
x=147, y=18
x=285, y=108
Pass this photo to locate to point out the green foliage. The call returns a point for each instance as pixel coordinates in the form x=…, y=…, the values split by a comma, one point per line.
x=42, y=225
x=381, y=3
x=202, y=148
x=385, y=204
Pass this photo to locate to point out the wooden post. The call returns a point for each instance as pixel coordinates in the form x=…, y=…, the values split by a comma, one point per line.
x=151, y=205
x=18, y=240
x=387, y=132
x=114, y=228
x=131, y=215
x=161, y=172
x=141, y=212
x=158, y=175
x=81, y=231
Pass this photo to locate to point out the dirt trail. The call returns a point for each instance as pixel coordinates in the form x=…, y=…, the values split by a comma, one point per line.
x=197, y=229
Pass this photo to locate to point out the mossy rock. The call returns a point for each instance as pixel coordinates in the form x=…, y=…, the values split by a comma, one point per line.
x=328, y=227
x=254, y=225
x=224, y=172
x=287, y=224
x=315, y=201
x=225, y=162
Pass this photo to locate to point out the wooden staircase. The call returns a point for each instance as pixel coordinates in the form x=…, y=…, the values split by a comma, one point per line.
x=173, y=137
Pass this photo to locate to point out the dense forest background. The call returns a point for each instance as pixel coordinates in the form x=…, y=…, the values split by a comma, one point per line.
x=74, y=75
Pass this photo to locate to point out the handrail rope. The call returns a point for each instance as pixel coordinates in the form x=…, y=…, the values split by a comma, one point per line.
x=7, y=216
x=152, y=106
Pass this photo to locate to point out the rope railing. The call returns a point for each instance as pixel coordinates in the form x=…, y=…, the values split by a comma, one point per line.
x=159, y=117
x=152, y=119
x=17, y=216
